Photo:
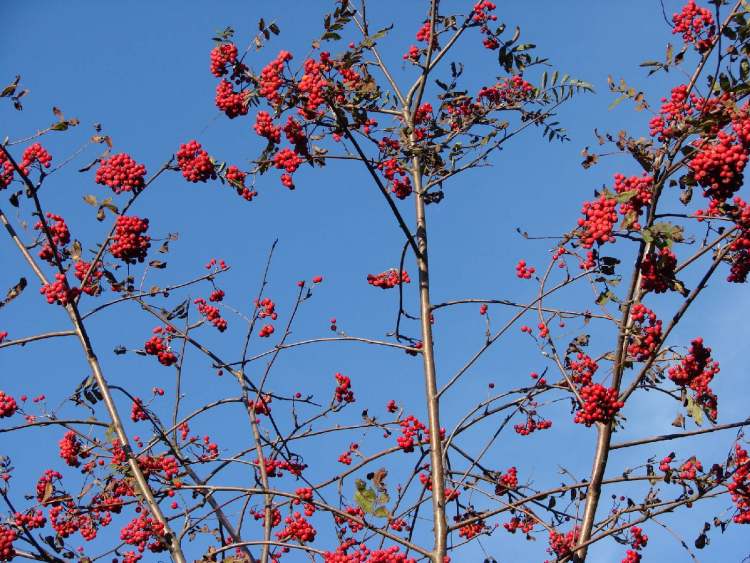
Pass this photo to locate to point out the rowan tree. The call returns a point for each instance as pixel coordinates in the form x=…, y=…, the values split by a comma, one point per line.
x=220, y=441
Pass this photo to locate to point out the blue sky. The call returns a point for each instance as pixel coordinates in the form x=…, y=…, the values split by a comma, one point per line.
x=141, y=70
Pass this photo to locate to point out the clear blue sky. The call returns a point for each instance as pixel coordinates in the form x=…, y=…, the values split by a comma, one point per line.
x=141, y=70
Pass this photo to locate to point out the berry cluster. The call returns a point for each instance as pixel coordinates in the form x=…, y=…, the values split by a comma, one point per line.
x=412, y=432
x=8, y=405
x=313, y=84
x=276, y=467
x=211, y=313
x=130, y=244
x=222, y=55
x=600, y=404
x=297, y=528
x=639, y=189
x=32, y=154
x=472, y=529
x=194, y=162
x=582, y=369
x=265, y=128
x=507, y=481
x=690, y=469
x=508, y=92
x=718, y=166
x=524, y=272
x=696, y=25
x=59, y=233
x=91, y=287
x=365, y=555
x=6, y=171
x=696, y=370
x=525, y=524
x=287, y=159
x=532, y=424
x=70, y=449
x=7, y=536
x=598, y=221
x=658, y=270
x=354, y=525
x=561, y=545
x=137, y=412
x=739, y=488
x=739, y=256
x=646, y=332
x=158, y=345
x=236, y=179
x=343, y=393
x=144, y=533
x=395, y=173
x=230, y=102
x=31, y=520
x=59, y=291
x=271, y=78
x=121, y=173
x=388, y=279
x=266, y=331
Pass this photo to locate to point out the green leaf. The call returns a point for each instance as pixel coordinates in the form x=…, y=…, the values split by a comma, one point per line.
x=381, y=512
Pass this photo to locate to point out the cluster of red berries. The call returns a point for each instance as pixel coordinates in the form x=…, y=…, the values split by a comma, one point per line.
x=267, y=309
x=6, y=171
x=59, y=291
x=7, y=536
x=287, y=159
x=343, y=393
x=91, y=287
x=412, y=432
x=480, y=13
x=525, y=524
x=276, y=467
x=696, y=370
x=600, y=404
x=395, y=173
x=690, y=469
x=561, y=544
x=508, y=92
x=137, y=412
x=144, y=533
x=32, y=154
x=230, y=102
x=312, y=85
x=696, y=25
x=266, y=331
x=212, y=314
x=236, y=179
x=354, y=525
x=658, y=270
x=158, y=345
x=271, y=78
x=59, y=233
x=195, y=162
x=598, y=221
x=673, y=114
x=638, y=539
x=297, y=528
x=523, y=271
x=46, y=480
x=718, y=166
x=647, y=332
x=151, y=465
x=222, y=55
x=31, y=520
x=739, y=256
x=640, y=190
x=582, y=369
x=739, y=488
x=261, y=406
x=8, y=405
x=346, y=457
x=130, y=244
x=507, y=481
x=364, y=555
x=388, y=279
x=532, y=424
x=121, y=173
x=304, y=495
x=631, y=557
x=265, y=128
x=472, y=529
x=70, y=449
